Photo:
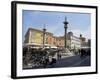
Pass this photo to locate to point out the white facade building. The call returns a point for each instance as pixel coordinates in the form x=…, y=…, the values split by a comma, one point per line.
x=73, y=42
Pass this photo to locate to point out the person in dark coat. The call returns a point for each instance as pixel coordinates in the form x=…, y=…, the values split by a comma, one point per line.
x=53, y=62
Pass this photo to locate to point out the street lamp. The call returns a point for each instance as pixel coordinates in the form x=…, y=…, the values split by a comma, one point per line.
x=65, y=27
x=44, y=32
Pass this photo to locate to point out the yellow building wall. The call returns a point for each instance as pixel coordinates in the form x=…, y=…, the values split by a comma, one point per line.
x=36, y=37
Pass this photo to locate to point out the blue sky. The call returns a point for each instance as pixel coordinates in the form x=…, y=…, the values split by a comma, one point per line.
x=79, y=23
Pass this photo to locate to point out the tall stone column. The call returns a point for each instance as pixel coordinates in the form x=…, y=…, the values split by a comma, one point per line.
x=44, y=32
x=65, y=27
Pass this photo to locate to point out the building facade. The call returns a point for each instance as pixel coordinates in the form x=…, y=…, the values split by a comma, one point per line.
x=85, y=43
x=36, y=36
x=73, y=42
x=33, y=36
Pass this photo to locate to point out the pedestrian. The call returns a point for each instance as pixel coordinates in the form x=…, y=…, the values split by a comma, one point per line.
x=53, y=62
x=79, y=51
x=60, y=56
x=47, y=61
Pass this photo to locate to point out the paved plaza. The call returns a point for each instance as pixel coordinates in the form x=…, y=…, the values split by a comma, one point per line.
x=71, y=61
x=74, y=61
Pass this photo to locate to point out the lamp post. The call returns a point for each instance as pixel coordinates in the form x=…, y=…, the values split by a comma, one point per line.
x=44, y=32
x=80, y=40
x=65, y=27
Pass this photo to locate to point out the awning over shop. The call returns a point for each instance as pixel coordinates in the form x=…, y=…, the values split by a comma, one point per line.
x=38, y=45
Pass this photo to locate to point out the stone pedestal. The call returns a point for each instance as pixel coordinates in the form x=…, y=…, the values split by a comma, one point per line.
x=66, y=53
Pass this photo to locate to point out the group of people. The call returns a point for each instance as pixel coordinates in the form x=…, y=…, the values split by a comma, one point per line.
x=84, y=52
x=48, y=61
